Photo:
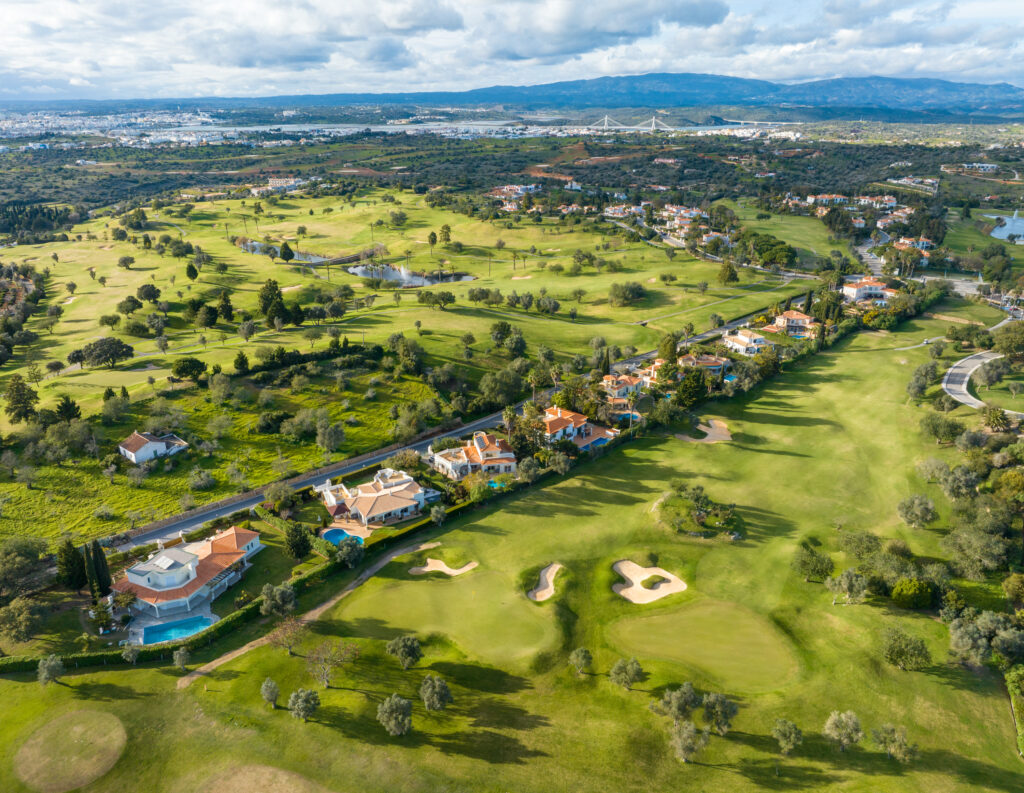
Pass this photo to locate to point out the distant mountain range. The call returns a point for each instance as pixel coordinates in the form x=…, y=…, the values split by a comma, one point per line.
x=938, y=97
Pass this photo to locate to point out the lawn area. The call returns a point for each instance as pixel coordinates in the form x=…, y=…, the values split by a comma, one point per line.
x=964, y=237
x=804, y=464
x=981, y=313
x=65, y=497
x=808, y=235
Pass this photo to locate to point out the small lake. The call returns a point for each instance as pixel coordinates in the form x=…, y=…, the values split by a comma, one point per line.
x=264, y=249
x=1013, y=225
x=403, y=276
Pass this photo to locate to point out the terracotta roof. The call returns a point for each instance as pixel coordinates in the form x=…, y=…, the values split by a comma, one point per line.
x=556, y=418
x=794, y=315
x=137, y=440
x=215, y=556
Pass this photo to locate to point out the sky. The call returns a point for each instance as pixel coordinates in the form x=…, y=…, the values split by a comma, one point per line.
x=52, y=49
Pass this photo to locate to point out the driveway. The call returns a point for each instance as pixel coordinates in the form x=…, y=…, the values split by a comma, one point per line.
x=958, y=377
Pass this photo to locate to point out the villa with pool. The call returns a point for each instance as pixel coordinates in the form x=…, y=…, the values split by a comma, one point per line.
x=182, y=580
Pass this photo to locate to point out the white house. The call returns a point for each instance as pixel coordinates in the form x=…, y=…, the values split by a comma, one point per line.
x=620, y=386
x=747, y=342
x=390, y=496
x=865, y=289
x=142, y=446
x=484, y=452
x=184, y=577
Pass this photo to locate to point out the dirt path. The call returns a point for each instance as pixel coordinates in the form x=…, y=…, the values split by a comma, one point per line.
x=310, y=616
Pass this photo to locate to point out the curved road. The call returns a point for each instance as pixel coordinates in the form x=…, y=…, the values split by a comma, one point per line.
x=957, y=379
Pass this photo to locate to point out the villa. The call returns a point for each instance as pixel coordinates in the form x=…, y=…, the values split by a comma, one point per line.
x=562, y=424
x=793, y=321
x=390, y=496
x=620, y=386
x=716, y=364
x=867, y=288
x=648, y=375
x=182, y=578
x=484, y=452
x=747, y=342
x=142, y=446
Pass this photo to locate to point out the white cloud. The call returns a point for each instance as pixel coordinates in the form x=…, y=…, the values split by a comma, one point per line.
x=117, y=48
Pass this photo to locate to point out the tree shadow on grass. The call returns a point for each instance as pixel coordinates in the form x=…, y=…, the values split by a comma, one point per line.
x=495, y=713
x=790, y=777
x=491, y=747
x=104, y=692
x=480, y=678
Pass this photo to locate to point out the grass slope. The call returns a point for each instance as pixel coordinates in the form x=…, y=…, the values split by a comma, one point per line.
x=830, y=444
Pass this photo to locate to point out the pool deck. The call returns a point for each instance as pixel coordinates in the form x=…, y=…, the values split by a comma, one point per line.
x=353, y=528
x=142, y=621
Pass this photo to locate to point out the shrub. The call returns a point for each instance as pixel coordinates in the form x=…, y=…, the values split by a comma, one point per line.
x=200, y=479
x=912, y=593
x=104, y=512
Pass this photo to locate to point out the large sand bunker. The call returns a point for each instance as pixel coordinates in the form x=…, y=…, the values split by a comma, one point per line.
x=715, y=431
x=546, y=586
x=635, y=592
x=261, y=779
x=437, y=566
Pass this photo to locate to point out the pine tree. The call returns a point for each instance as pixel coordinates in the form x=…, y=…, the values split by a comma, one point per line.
x=71, y=566
x=99, y=560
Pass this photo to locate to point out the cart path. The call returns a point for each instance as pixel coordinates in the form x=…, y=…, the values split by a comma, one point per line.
x=310, y=616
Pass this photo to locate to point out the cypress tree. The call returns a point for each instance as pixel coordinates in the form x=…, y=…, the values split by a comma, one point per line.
x=71, y=566
x=99, y=559
x=90, y=573
x=807, y=303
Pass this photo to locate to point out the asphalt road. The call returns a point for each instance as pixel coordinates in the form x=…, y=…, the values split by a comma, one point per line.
x=219, y=510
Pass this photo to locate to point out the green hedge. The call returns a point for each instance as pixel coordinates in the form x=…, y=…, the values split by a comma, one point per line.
x=152, y=652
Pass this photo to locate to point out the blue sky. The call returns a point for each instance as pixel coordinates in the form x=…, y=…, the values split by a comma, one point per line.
x=126, y=48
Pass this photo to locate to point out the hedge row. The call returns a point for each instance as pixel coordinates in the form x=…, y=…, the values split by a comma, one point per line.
x=151, y=652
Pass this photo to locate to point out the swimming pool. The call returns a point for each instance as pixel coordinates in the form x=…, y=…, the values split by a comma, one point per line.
x=179, y=629
x=729, y=378
x=335, y=536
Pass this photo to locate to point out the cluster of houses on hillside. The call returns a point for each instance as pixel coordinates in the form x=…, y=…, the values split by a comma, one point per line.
x=511, y=195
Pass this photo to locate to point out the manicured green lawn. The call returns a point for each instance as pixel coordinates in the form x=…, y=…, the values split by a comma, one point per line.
x=808, y=235
x=829, y=446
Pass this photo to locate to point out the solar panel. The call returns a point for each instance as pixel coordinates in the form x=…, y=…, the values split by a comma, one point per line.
x=164, y=562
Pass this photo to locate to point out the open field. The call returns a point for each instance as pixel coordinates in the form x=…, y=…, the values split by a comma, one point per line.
x=808, y=235
x=347, y=228
x=521, y=718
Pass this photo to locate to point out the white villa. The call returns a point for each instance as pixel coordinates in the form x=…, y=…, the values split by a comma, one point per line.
x=484, y=452
x=390, y=496
x=562, y=424
x=184, y=577
x=865, y=289
x=747, y=342
x=142, y=446
x=715, y=364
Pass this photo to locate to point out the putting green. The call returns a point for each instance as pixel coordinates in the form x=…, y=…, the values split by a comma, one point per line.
x=71, y=751
x=729, y=644
x=483, y=613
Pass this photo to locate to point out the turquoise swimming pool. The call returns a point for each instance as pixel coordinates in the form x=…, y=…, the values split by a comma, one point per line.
x=335, y=536
x=179, y=629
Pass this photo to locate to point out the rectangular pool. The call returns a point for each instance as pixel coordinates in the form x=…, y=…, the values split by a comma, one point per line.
x=179, y=629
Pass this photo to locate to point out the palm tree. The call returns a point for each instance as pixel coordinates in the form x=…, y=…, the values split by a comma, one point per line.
x=631, y=401
x=508, y=417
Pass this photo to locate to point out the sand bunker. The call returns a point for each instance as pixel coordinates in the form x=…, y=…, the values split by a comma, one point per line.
x=635, y=592
x=521, y=277
x=546, y=586
x=437, y=566
x=715, y=432
x=69, y=300
x=292, y=288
